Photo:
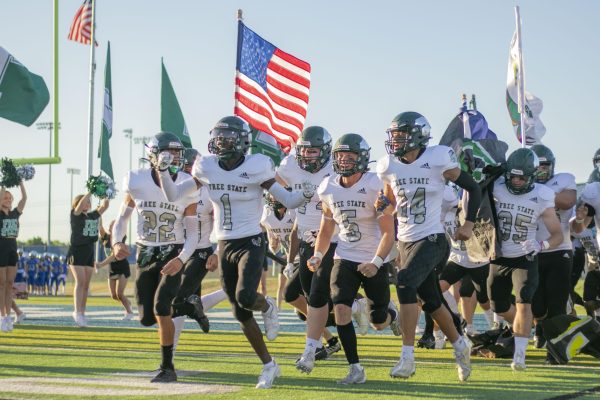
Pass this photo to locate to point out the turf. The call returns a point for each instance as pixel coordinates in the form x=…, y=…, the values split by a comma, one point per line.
x=225, y=359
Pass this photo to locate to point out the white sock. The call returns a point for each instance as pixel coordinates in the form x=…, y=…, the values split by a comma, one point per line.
x=498, y=318
x=270, y=363
x=451, y=301
x=212, y=299
x=408, y=352
x=312, y=345
x=178, y=323
x=460, y=344
x=489, y=316
x=438, y=334
x=521, y=344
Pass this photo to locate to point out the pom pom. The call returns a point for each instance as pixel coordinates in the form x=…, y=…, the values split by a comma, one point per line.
x=26, y=172
x=101, y=186
x=8, y=174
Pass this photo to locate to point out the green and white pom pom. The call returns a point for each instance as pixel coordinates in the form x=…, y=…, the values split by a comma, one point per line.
x=26, y=172
x=101, y=186
x=9, y=176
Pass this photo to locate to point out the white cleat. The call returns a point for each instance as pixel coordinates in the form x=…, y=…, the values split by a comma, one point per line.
x=128, y=317
x=463, y=361
x=20, y=318
x=306, y=362
x=361, y=316
x=405, y=368
x=271, y=319
x=356, y=374
x=440, y=340
x=518, y=363
x=4, y=325
x=470, y=330
x=267, y=376
x=80, y=320
x=395, y=324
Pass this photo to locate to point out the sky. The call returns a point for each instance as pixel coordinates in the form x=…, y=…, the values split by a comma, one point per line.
x=370, y=61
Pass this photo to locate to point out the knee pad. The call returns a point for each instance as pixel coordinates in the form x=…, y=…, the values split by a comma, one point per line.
x=378, y=314
x=431, y=304
x=331, y=320
x=241, y=314
x=246, y=298
x=146, y=320
x=406, y=295
x=317, y=300
x=290, y=294
x=499, y=307
x=162, y=309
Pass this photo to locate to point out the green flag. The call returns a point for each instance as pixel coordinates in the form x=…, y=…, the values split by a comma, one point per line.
x=107, y=118
x=263, y=143
x=171, y=117
x=23, y=95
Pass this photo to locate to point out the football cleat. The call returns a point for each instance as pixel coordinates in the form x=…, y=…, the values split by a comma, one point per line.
x=463, y=361
x=356, y=374
x=405, y=368
x=271, y=320
x=518, y=363
x=426, y=341
x=306, y=363
x=333, y=346
x=268, y=375
x=395, y=323
x=361, y=316
x=165, y=375
x=198, y=314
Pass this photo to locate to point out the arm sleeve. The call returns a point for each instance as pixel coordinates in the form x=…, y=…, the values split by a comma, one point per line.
x=466, y=182
x=191, y=238
x=175, y=191
x=120, y=226
x=289, y=199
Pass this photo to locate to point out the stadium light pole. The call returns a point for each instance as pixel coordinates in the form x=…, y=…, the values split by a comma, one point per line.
x=48, y=126
x=142, y=140
x=129, y=135
x=72, y=171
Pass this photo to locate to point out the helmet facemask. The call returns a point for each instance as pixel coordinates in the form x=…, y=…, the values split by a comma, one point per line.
x=312, y=158
x=156, y=146
x=545, y=171
x=404, y=138
x=346, y=165
x=228, y=144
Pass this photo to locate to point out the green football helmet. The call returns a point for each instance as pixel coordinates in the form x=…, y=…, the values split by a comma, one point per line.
x=230, y=138
x=521, y=163
x=417, y=128
x=189, y=156
x=165, y=141
x=313, y=137
x=546, y=157
x=353, y=143
x=272, y=202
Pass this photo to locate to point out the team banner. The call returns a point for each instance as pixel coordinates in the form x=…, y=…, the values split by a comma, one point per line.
x=23, y=94
x=107, y=119
x=171, y=116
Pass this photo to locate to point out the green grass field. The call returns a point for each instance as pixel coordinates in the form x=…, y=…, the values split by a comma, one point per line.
x=94, y=360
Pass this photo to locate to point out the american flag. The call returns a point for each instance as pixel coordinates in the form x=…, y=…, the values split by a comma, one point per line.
x=271, y=88
x=81, y=28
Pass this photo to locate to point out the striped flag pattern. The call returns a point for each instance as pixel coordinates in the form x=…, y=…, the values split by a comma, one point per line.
x=81, y=27
x=271, y=88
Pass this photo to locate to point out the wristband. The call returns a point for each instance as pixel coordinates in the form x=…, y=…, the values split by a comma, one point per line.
x=318, y=254
x=377, y=261
x=545, y=244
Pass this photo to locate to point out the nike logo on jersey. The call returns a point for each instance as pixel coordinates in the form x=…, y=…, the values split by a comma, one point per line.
x=362, y=191
x=244, y=175
x=426, y=165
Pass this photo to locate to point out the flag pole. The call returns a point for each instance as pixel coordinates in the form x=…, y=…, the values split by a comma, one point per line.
x=521, y=78
x=91, y=94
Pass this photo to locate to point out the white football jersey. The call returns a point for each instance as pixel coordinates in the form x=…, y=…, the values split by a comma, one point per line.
x=557, y=184
x=236, y=195
x=160, y=221
x=518, y=215
x=354, y=212
x=204, y=208
x=587, y=240
x=280, y=228
x=308, y=215
x=419, y=190
x=591, y=196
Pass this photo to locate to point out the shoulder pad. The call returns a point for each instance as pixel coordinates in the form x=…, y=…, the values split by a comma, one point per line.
x=545, y=193
x=590, y=192
x=442, y=156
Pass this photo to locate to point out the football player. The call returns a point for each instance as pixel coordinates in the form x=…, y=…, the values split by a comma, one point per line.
x=32, y=263
x=554, y=266
x=9, y=230
x=163, y=249
x=415, y=176
x=365, y=240
x=235, y=181
x=311, y=164
x=521, y=206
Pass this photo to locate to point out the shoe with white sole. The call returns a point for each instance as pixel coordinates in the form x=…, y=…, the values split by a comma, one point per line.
x=268, y=375
x=463, y=361
x=356, y=374
x=20, y=318
x=306, y=363
x=4, y=324
x=405, y=368
x=271, y=320
x=128, y=317
x=395, y=324
x=361, y=316
x=518, y=363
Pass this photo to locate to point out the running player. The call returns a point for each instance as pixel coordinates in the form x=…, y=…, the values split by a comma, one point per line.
x=521, y=206
x=415, y=176
x=162, y=248
x=365, y=240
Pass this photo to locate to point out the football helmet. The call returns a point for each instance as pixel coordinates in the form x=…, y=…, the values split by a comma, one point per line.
x=353, y=143
x=272, y=202
x=230, y=138
x=189, y=156
x=417, y=129
x=545, y=156
x=597, y=160
x=313, y=137
x=521, y=163
x=165, y=141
